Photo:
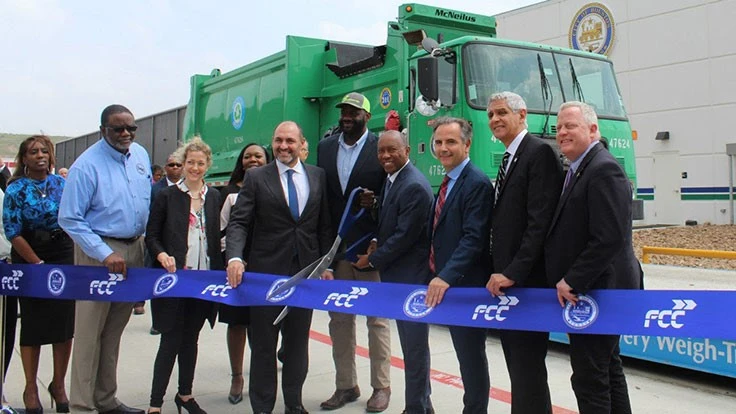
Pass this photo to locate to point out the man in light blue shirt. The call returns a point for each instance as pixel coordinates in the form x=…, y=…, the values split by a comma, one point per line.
x=104, y=208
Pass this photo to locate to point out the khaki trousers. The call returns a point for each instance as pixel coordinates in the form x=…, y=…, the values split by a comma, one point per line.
x=98, y=328
x=342, y=333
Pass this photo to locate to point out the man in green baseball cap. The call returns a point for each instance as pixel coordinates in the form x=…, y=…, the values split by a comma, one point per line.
x=350, y=160
x=356, y=100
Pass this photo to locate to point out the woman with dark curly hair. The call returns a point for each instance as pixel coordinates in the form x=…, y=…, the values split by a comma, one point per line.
x=237, y=318
x=30, y=220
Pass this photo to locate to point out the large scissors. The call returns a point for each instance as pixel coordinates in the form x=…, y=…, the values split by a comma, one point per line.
x=316, y=268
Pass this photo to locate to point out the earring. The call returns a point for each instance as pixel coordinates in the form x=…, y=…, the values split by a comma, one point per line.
x=25, y=170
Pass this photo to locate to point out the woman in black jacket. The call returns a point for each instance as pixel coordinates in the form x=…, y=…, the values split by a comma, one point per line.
x=183, y=232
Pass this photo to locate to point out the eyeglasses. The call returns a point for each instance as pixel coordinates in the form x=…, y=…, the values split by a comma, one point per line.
x=173, y=164
x=120, y=129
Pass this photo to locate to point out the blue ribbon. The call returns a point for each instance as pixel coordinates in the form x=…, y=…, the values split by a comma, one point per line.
x=697, y=314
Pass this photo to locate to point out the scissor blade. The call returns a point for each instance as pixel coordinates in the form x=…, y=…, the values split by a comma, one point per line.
x=326, y=260
x=281, y=316
x=294, y=280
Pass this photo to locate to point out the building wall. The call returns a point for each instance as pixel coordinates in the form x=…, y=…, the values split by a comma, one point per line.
x=675, y=61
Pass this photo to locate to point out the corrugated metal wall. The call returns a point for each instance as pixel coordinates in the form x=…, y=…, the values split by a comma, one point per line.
x=159, y=134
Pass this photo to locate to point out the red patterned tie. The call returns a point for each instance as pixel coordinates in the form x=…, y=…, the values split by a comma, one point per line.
x=437, y=212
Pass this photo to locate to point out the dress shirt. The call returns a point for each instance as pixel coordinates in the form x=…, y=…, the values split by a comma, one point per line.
x=454, y=175
x=301, y=182
x=575, y=164
x=392, y=177
x=107, y=193
x=346, y=157
x=513, y=147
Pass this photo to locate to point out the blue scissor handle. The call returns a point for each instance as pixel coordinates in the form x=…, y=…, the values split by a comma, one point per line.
x=349, y=219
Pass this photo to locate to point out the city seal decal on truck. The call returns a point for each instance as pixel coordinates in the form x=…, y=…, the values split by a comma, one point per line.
x=385, y=98
x=592, y=29
x=237, y=113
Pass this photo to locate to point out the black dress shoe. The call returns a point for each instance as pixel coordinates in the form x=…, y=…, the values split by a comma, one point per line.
x=296, y=410
x=123, y=409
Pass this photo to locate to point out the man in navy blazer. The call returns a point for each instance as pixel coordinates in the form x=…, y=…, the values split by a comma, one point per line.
x=173, y=171
x=349, y=160
x=589, y=247
x=459, y=225
x=527, y=189
x=401, y=255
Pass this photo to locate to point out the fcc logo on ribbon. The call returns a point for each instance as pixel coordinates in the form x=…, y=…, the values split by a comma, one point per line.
x=414, y=306
x=164, y=283
x=281, y=296
x=582, y=315
x=56, y=281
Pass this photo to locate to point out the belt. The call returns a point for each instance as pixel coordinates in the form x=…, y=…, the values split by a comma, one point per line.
x=44, y=235
x=129, y=240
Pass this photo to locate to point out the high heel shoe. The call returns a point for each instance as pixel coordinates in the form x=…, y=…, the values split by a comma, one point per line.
x=61, y=407
x=235, y=398
x=37, y=410
x=191, y=406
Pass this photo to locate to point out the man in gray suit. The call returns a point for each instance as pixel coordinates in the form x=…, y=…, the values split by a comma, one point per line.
x=283, y=208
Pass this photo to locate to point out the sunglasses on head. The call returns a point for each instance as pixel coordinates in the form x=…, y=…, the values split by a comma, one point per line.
x=173, y=164
x=120, y=129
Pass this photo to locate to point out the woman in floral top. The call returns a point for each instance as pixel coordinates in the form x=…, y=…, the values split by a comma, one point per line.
x=30, y=213
x=183, y=233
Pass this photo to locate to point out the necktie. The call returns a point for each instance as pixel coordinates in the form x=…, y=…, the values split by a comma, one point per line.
x=501, y=176
x=568, y=178
x=385, y=192
x=437, y=211
x=293, y=199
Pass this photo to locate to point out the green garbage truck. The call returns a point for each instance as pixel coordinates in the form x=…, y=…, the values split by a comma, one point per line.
x=436, y=62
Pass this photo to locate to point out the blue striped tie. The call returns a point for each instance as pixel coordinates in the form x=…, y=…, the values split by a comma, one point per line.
x=293, y=199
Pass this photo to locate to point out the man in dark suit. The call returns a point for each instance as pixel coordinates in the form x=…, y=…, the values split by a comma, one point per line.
x=283, y=207
x=589, y=247
x=459, y=225
x=527, y=189
x=173, y=175
x=349, y=160
x=401, y=255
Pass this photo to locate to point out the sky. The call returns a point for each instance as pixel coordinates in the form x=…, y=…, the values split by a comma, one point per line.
x=63, y=61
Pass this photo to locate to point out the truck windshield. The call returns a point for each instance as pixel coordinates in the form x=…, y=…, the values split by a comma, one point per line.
x=491, y=68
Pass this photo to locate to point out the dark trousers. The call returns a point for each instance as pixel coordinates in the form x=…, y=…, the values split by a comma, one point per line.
x=598, y=375
x=414, y=339
x=263, y=336
x=179, y=342
x=470, y=348
x=525, y=352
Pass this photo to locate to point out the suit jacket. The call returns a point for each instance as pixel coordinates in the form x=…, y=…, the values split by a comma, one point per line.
x=279, y=243
x=523, y=211
x=402, y=255
x=167, y=229
x=367, y=173
x=461, y=238
x=156, y=188
x=589, y=240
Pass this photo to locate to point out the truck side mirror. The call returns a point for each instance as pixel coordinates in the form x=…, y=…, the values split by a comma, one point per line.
x=428, y=69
